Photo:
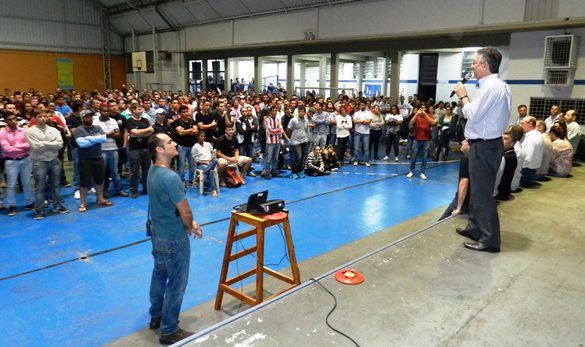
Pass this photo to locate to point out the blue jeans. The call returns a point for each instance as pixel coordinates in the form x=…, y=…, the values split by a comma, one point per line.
x=169, y=280
x=75, y=157
x=320, y=140
x=111, y=162
x=185, y=152
x=207, y=173
x=14, y=169
x=271, y=158
x=361, y=144
x=246, y=150
x=420, y=148
x=47, y=173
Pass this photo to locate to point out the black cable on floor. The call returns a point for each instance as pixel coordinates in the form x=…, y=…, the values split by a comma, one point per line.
x=331, y=311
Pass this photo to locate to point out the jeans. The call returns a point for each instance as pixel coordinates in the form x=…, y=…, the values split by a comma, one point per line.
x=247, y=150
x=47, y=173
x=14, y=169
x=361, y=144
x=320, y=140
x=75, y=157
x=393, y=142
x=139, y=161
x=271, y=158
x=169, y=280
x=375, y=136
x=420, y=148
x=301, y=153
x=208, y=174
x=185, y=152
x=111, y=162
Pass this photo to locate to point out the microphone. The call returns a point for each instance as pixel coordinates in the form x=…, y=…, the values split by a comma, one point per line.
x=463, y=81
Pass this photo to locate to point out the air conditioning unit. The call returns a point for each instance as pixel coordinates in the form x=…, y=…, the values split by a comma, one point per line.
x=560, y=52
x=559, y=78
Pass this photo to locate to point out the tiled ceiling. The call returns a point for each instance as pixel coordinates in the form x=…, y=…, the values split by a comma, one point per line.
x=140, y=16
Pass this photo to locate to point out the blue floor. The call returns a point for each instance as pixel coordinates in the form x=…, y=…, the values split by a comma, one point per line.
x=82, y=279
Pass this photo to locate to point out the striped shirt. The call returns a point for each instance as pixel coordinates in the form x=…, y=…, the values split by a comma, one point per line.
x=273, y=130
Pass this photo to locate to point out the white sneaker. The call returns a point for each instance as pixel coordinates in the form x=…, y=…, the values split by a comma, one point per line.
x=396, y=159
x=355, y=163
x=385, y=158
x=410, y=174
x=423, y=176
x=76, y=194
x=367, y=164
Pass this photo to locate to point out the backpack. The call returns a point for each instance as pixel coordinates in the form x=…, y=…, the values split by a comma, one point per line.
x=232, y=177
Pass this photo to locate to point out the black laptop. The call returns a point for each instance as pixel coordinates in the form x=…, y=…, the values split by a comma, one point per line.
x=254, y=202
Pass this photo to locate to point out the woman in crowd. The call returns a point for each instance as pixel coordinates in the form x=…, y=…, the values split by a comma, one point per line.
x=375, y=131
x=446, y=126
x=393, y=122
x=344, y=124
x=562, y=153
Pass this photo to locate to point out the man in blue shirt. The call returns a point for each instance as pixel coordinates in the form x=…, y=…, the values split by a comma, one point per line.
x=487, y=118
x=172, y=223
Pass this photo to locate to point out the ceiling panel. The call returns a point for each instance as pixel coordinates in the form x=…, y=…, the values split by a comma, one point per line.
x=263, y=5
x=202, y=11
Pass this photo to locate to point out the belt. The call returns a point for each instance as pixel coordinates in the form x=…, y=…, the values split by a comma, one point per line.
x=26, y=156
x=470, y=141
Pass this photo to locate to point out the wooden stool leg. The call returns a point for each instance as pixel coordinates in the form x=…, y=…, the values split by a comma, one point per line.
x=259, y=264
x=291, y=252
x=226, y=262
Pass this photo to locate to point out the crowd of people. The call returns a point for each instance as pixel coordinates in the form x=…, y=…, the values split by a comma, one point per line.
x=105, y=136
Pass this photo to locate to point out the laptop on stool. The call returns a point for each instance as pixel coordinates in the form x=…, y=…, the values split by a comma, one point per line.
x=254, y=203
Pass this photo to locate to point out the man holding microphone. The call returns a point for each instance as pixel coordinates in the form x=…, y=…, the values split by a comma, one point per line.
x=172, y=223
x=487, y=118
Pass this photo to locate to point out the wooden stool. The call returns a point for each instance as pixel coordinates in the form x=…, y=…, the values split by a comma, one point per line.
x=260, y=223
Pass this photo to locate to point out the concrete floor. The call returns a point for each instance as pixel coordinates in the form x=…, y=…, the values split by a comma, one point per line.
x=427, y=290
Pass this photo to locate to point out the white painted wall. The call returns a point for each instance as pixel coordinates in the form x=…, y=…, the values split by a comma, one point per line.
x=71, y=26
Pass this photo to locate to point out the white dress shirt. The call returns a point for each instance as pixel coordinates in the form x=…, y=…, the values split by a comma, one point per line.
x=488, y=113
x=533, y=148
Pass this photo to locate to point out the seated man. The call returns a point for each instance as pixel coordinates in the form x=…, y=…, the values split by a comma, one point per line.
x=227, y=153
x=508, y=166
x=205, y=160
x=533, y=148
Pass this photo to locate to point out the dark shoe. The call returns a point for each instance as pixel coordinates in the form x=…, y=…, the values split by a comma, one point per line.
x=134, y=195
x=265, y=175
x=61, y=209
x=466, y=233
x=480, y=247
x=122, y=194
x=30, y=206
x=39, y=215
x=11, y=211
x=174, y=338
x=154, y=323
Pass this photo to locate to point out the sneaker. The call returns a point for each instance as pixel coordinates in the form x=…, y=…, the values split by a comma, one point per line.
x=355, y=163
x=408, y=156
x=174, y=338
x=410, y=174
x=423, y=176
x=11, y=211
x=91, y=191
x=367, y=164
x=396, y=159
x=213, y=193
x=61, y=209
x=154, y=323
x=134, y=194
x=76, y=194
x=251, y=174
x=302, y=175
x=39, y=215
x=385, y=158
x=122, y=194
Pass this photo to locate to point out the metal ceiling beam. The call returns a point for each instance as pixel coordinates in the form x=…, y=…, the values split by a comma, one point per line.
x=164, y=18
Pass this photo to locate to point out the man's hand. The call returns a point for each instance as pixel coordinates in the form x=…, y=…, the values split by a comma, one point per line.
x=196, y=231
x=460, y=89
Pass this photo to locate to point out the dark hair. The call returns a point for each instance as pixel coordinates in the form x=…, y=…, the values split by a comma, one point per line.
x=77, y=106
x=557, y=130
x=183, y=107
x=492, y=57
x=154, y=142
x=522, y=105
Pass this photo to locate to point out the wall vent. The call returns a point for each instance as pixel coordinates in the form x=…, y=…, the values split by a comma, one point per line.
x=560, y=52
x=559, y=77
